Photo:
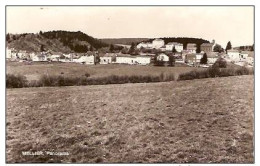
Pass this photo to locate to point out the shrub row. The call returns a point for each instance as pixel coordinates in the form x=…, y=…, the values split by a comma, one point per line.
x=60, y=80
x=215, y=72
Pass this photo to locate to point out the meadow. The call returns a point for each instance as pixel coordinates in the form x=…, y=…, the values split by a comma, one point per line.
x=207, y=120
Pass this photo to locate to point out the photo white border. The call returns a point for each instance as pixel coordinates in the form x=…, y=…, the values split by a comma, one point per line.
x=3, y=3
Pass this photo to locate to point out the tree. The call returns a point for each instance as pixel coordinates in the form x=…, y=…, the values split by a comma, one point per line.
x=217, y=48
x=111, y=48
x=171, y=60
x=91, y=48
x=8, y=37
x=229, y=46
x=204, y=59
x=40, y=33
x=174, y=49
x=253, y=47
x=132, y=48
x=14, y=37
x=198, y=48
x=42, y=48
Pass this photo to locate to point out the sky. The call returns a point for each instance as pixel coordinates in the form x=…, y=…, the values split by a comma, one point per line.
x=221, y=23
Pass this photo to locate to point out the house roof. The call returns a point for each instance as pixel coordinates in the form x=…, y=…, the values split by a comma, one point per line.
x=250, y=53
x=212, y=54
x=157, y=40
x=191, y=45
x=108, y=55
x=207, y=44
x=232, y=50
x=174, y=43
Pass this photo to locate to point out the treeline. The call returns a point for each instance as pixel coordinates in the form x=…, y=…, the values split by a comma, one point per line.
x=69, y=39
x=19, y=81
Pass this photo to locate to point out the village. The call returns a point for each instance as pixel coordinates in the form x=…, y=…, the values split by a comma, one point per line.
x=148, y=53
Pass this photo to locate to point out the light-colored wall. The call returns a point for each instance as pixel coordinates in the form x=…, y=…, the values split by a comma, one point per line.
x=105, y=60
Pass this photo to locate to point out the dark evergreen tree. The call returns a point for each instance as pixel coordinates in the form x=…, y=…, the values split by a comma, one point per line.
x=42, y=48
x=111, y=48
x=171, y=60
x=173, y=49
x=198, y=48
x=132, y=48
x=204, y=59
x=229, y=46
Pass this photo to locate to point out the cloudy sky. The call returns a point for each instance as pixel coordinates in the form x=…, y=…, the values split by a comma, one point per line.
x=235, y=24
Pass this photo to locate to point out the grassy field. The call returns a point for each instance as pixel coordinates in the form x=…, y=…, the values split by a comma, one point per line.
x=35, y=70
x=198, y=121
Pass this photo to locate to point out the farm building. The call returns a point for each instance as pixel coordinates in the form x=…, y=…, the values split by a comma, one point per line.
x=128, y=59
x=163, y=57
x=108, y=58
x=125, y=59
x=178, y=46
x=88, y=60
x=191, y=47
x=142, y=60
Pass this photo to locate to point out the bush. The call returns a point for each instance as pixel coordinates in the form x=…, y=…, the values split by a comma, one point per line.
x=16, y=81
x=87, y=74
x=215, y=71
x=221, y=63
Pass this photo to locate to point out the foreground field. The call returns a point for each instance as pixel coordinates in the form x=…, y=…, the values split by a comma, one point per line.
x=198, y=121
x=35, y=70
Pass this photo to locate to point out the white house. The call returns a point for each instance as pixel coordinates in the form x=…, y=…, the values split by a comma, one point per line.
x=198, y=57
x=128, y=59
x=107, y=58
x=157, y=43
x=39, y=58
x=250, y=60
x=212, y=57
x=22, y=54
x=178, y=46
x=143, y=60
x=163, y=57
x=8, y=53
x=142, y=44
x=233, y=55
x=54, y=57
x=191, y=47
x=125, y=59
x=88, y=60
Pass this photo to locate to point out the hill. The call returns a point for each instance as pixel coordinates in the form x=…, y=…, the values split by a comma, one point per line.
x=198, y=121
x=61, y=41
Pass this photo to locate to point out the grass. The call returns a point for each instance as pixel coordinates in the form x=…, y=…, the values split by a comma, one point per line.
x=35, y=70
x=199, y=121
